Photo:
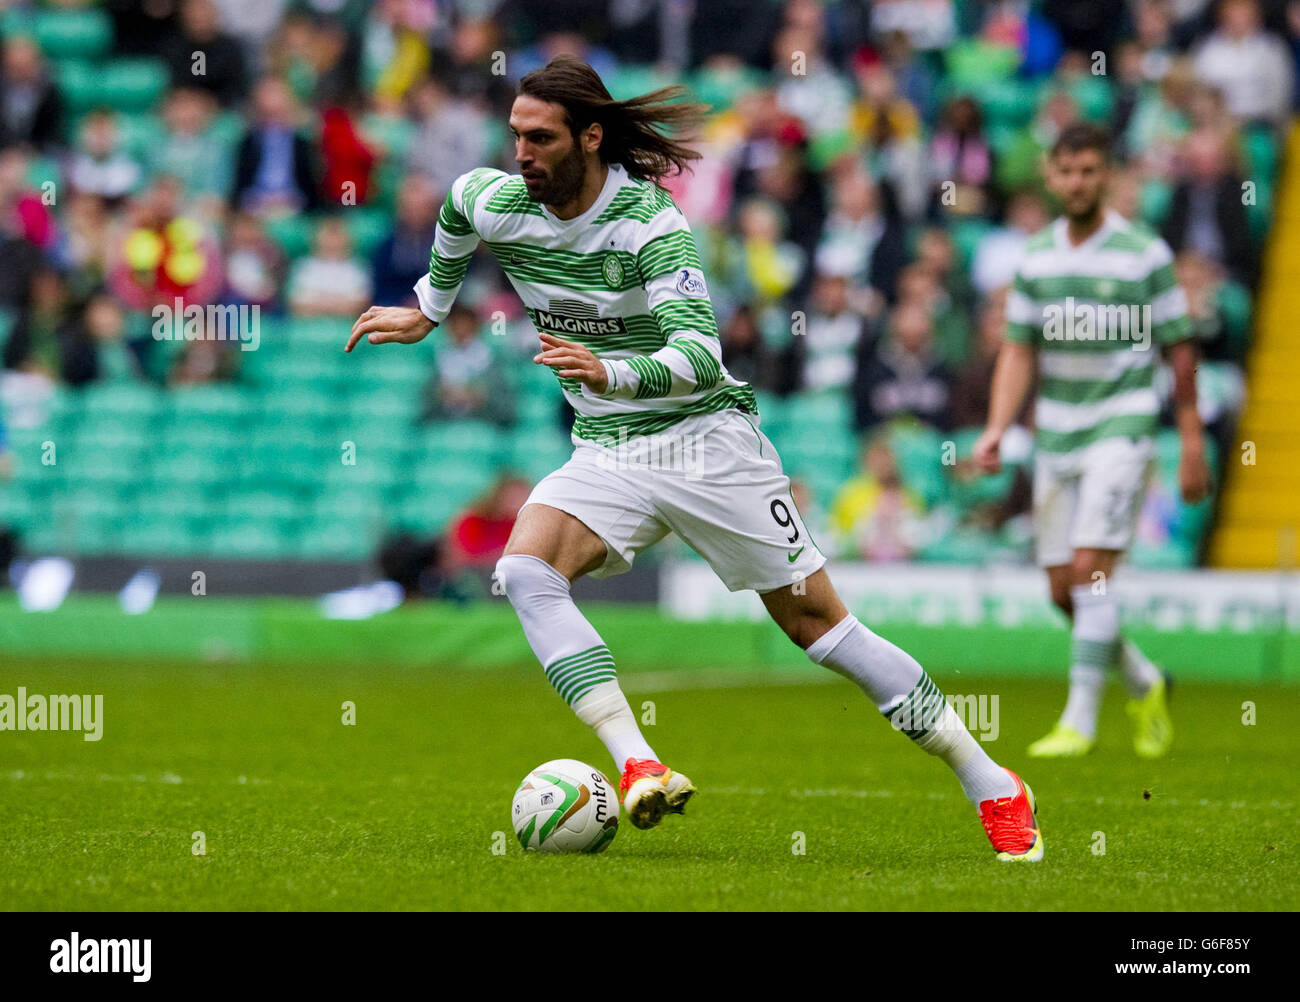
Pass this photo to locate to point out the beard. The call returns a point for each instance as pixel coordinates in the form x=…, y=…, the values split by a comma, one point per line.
x=1085, y=211
x=564, y=182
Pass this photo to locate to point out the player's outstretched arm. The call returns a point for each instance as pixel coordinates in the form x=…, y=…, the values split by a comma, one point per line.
x=1012, y=375
x=1193, y=471
x=384, y=324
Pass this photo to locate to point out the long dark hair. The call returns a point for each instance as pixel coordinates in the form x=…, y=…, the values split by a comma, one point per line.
x=634, y=130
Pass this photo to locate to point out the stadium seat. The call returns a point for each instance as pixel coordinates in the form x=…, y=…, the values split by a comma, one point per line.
x=379, y=404
x=229, y=405
x=538, y=451
x=424, y=512
x=475, y=441
x=80, y=34
x=293, y=233
x=163, y=537
x=966, y=235
x=127, y=404
x=808, y=412
x=338, y=538
x=721, y=87
x=918, y=451
x=368, y=227
x=629, y=80
x=459, y=482
x=313, y=406
x=1008, y=102
x=974, y=64
x=245, y=538
x=1154, y=199
x=132, y=84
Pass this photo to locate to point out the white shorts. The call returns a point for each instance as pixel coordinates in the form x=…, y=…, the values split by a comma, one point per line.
x=715, y=480
x=1090, y=499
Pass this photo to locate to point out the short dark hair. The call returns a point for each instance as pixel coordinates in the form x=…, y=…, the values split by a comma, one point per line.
x=1078, y=136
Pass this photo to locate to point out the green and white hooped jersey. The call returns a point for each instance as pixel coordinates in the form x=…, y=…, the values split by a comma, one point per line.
x=623, y=279
x=1097, y=315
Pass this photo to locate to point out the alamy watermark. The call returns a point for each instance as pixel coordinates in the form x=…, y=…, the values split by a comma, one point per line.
x=76, y=955
x=667, y=452
x=213, y=322
x=35, y=712
x=1094, y=322
x=976, y=713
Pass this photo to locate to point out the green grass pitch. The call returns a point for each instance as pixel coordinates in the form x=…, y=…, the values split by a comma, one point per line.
x=399, y=811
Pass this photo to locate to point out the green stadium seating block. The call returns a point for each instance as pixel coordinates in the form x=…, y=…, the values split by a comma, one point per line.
x=219, y=403
x=133, y=84
x=368, y=227
x=1154, y=198
x=721, y=88
x=633, y=79
x=197, y=471
x=78, y=84
x=338, y=538
x=475, y=441
x=393, y=132
x=125, y=403
x=381, y=406
x=459, y=482
x=918, y=451
x=81, y=34
x=810, y=413
x=251, y=539
x=307, y=406
x=43, y=538
x=293, y=233
x=162, y=537
x=974, y=64
x=424, y=513
x=229, y=127
x=1008, y=101
x=966, y=235
x=43, y=170
x=1092, y=95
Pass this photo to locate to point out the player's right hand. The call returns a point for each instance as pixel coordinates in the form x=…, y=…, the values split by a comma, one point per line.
x=985, y=452
x=384, y=324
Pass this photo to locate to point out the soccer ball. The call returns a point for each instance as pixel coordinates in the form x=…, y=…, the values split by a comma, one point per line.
x=565, y=806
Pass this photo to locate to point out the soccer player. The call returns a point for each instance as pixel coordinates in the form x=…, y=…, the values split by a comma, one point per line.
x=1092, y=301
x=606, y=266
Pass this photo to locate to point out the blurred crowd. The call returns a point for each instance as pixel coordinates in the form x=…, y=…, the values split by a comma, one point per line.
x=870, y=177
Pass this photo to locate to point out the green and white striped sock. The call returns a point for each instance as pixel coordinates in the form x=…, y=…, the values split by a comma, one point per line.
x=1094, y=645
x=1137, y=670
x=900, y=689
x=576, y=661
x=574, y=674
x=925, y=716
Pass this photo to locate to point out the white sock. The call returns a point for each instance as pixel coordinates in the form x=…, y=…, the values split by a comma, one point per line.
x=909, y=699
x=576, y=660
x=605, y=710
x=1136, y=669
x=887, y=674
x=1094, y=644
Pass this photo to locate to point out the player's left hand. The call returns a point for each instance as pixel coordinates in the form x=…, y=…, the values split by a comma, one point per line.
x=1193, y=476
x=571, y=359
